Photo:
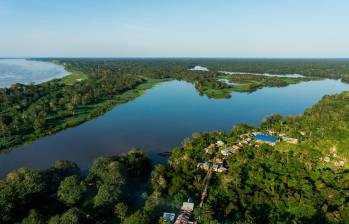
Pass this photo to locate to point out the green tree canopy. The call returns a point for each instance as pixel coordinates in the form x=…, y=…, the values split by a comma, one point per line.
x=34, y=217
x=71, y=190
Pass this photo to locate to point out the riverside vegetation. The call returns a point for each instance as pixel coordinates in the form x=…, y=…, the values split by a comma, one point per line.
x=284, y=183
x=28, y=112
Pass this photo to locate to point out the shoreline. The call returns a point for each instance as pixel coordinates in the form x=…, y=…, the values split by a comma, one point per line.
x=94, y=111
x=58, y=75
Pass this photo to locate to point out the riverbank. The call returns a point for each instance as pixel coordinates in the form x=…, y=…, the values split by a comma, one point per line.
x=279, y=179
x=298, y=168
x=247, y=83
x=96, y=85
x=74, y=77
x=82, y=114
x=76, y=114
x=160, y=119
x=28, y=71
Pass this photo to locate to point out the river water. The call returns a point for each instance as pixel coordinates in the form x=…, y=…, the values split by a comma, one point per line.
x=26, y=71
x=161, y=118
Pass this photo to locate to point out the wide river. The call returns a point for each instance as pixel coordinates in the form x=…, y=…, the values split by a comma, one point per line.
x=27, y=71
x=160, y=119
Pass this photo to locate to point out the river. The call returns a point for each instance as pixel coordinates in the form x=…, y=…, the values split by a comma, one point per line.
x=161, y=118
x=26, y=71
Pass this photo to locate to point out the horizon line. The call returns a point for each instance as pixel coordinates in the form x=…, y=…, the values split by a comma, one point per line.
x=166, y=57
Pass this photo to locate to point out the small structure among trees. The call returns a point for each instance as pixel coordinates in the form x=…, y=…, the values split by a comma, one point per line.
x=185, y=214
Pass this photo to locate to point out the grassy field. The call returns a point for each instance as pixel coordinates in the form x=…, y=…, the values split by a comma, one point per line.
x=218, y=93
x=75, y=76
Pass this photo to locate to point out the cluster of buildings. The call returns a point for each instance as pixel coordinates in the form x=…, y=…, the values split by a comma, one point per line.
x=289, y=139
x=248, y=139
x=184, y=216
x=215, y=167
x=256, y=138
x=244, y=140
x=333, y=157
x=217, y=164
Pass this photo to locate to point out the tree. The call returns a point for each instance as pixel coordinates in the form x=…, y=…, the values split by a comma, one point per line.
x=203, y=215
x=71, y=190
x=34, y=217
x=54, y=220
x=109, y=176
x=158, y=178
x=3, y=127
x=272, y=120
x=59, y=170
x=25, y=182
x=105, y=170
x=139, y=165
x=162, y=220
x=106, y=195
x=120, y=210
x=39, y=123
x=154, y=206
x=66, y=168
x=72, y=216
x=7, y=202
x=136, y=218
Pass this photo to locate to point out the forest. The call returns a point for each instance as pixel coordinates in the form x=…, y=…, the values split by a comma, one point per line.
x=28, y=112
x=251, y=83
x=282, y=184
x=178, y=68
x=285, y=183
x=64, y=194
x=325, y=68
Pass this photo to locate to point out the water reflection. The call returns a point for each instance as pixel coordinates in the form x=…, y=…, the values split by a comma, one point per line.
x=161, y=118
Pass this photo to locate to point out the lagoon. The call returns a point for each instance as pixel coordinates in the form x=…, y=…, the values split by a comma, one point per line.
x=161, y=118
x=199, y=68
x=263, y=74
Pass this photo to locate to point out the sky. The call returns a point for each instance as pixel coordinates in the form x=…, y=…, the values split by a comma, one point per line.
x=174, y=28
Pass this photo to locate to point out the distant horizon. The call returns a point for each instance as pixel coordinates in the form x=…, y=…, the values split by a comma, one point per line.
x=174, y=29
x=167, y=57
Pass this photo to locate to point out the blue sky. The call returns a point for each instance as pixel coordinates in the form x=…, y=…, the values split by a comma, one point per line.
x=174, y=28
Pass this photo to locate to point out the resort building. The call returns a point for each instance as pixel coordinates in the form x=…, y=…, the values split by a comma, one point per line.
x=220, y=143
x=235, y=147
x=188, y=206
x=290, y=140
x=219, y=161
x=215, y=167
x=339, y=163
x=185, y=214
x=226, y=151
x=204, y=166
x=222, y=169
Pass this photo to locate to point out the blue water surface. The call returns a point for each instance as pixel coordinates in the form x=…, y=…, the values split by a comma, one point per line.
x=27, y=71
x=161, y=118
